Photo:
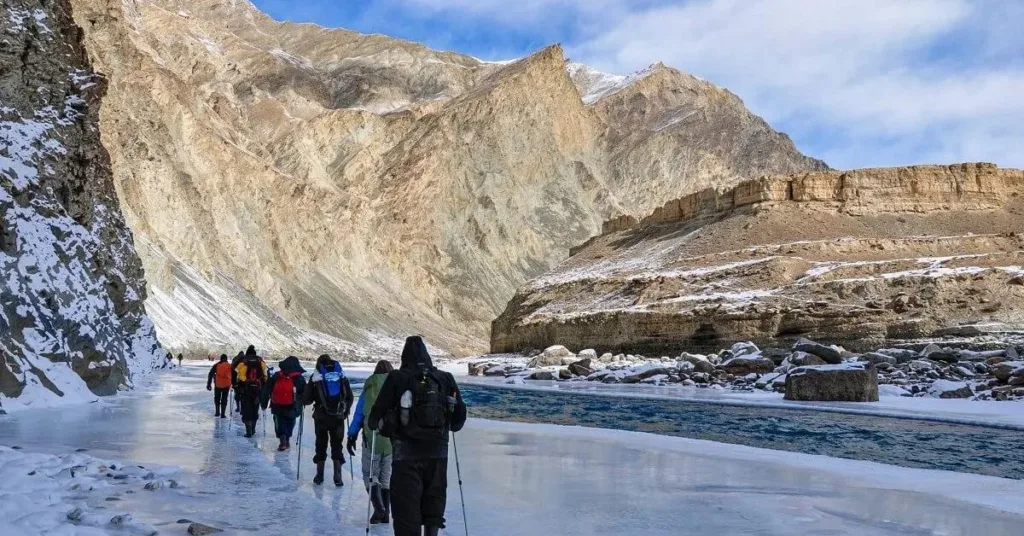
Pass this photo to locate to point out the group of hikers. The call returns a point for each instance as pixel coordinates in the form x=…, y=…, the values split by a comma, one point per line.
x=404, y=416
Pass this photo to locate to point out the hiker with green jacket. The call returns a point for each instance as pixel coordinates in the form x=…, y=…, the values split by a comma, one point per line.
x=377, y=482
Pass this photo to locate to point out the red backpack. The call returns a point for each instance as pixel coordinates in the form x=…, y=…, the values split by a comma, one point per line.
x=284, y=389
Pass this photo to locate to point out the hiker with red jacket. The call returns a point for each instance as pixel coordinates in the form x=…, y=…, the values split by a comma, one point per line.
x=282, y=393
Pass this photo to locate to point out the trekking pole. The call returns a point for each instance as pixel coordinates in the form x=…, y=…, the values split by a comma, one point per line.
x=264, y=424
x=373, y=481
x=351, y=461
x=298, y=466
x=462, y=497
x=231, y=419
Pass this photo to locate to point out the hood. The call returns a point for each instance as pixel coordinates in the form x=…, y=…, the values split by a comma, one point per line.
x=415, y=354
x=290, y=364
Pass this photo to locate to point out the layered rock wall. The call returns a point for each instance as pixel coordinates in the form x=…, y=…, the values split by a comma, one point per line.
x=72, y=320
x=858, y=258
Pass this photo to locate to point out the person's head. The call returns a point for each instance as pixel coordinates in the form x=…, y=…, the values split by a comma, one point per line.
x=415, y=353
x=383, y=367
x=323, y=360
x=223, y=357
x=250, y=351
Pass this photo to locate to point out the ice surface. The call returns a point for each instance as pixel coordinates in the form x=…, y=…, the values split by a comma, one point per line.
x=521, y=479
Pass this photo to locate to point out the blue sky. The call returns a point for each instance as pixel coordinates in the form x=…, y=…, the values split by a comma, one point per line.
x=856, y=82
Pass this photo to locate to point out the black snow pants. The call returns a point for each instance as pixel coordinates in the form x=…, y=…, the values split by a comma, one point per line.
x=220, y=400
x=329, y=430
x=250, y=397
x=419, y=491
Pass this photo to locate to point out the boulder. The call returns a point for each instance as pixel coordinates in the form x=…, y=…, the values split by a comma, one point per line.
x=607, y=357
x=921, y=365
x=777, y=355
x=541, y=375
x=582, y=367
x=848, y=382
x=948, y=389
x=930, y=349
x=803, y=359
x=552, y=356
x=564, y=374
x=699, y=362
x=744, y=348
x=587, y=354
x=1003, y=371
x=199, y=529
x=638, y=374
x=945, y=356
x=831, y=355
x=743, y=365
x=901, y=355
x=876, y=358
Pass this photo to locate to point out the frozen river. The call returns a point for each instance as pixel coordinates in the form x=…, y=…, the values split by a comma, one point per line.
x=521, y=479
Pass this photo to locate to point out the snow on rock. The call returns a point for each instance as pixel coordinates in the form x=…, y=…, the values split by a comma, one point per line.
x=950, y=389
x=72, y=321
x=46, y=494
x=595, y=85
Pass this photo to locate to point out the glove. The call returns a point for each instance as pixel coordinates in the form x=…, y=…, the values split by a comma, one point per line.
x=208, y=388
x=351, y=445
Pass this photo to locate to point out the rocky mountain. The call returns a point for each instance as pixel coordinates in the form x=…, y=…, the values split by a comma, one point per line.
x=856, y=258
x=301, y=187
x=72, y=320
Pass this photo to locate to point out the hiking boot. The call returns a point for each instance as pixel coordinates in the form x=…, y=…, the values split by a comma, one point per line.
x=250, y=429
x=319, y=478
x=337, y=473
x=283, y=445
x=222, y=416
x=385, y=499
x=430, y=531
x=377, y=501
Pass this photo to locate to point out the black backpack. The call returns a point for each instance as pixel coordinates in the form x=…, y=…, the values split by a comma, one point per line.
x=427, y=419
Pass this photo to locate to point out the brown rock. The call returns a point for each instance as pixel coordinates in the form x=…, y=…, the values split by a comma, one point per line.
x=848, y=383
x=581, y=368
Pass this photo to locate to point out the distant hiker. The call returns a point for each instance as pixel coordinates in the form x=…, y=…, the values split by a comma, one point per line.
x=220, y=375
x=331, y=395
x=417, y=407
x=376, y=453
x=282, y=393
x=234, y=380
x=180, y=357
x=251, y=375
x=169, y=359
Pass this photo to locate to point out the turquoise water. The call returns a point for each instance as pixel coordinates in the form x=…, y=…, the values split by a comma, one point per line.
x=904, y=442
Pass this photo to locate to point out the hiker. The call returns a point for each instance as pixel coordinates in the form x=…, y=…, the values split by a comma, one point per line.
x=416, y=408
x=180, y=357
x=169, y=359
x=234, y=380
x=251, y=375
x=220, y=375
x=282, y=393
x=331, y=395
x=376, y=453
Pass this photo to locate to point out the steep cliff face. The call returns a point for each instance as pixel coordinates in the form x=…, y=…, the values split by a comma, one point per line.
x=854, y=258
x=72, y=321
x=300, y=187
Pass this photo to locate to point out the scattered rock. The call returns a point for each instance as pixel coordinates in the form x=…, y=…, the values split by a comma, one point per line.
x=582, y=367
x=638, y=374
x=541, y=375
x=587, y=354
x=552, y=356
x=744, y=348
x=828, y=353
x=949, y=389
x=199, y=529
x=1003, y=371
x=850, y=382
x=876, y=358
x=743, y=365
x=153, y=486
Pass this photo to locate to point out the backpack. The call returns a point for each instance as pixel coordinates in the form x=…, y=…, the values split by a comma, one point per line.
x=332, y=390
x=253, y=372
x=427, y=417
x=223, y=375
x=284, y=389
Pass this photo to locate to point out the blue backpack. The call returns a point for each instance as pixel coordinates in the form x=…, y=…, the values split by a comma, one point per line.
x=332, y=390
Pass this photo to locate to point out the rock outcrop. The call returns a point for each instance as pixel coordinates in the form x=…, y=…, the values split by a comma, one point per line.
x=299, y=187
x=850, y=382
x=855, y=258
x=72, y=321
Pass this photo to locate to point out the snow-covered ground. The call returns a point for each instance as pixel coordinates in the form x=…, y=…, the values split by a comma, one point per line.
x=520, y=479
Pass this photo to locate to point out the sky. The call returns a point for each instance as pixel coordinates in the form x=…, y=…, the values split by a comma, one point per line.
x=858, y=83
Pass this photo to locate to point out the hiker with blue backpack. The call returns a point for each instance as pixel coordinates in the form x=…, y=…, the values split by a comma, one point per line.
x=282, y=394
x=330, y=394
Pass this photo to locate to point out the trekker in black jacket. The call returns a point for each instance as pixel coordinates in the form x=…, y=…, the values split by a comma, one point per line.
x=417, y=407
x=331, y=395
